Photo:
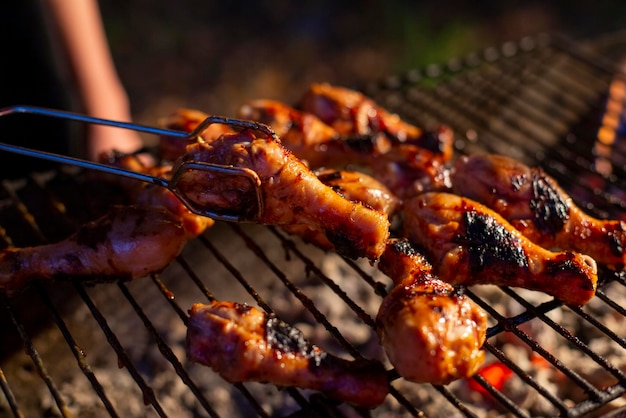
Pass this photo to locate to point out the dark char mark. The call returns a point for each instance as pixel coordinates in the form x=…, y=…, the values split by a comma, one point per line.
x=429, y=141
x=551, y=211
x=364, y=144
x=615, y=241
x=93, y=233
x=291, y=340
x=565, y=264
x=403, y=246
x=344, y=244
x=489, y=243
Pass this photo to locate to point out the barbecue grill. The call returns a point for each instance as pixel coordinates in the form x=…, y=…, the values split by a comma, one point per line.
x=76, y=349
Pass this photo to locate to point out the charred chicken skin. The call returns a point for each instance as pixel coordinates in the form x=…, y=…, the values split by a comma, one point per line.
x=126, y=243
x=408, y=166
x=291, y=193
x=350, y=112
x=304, y=134
x=536, y=205
x=244, y=344
x=470, y=244
x=431, y=332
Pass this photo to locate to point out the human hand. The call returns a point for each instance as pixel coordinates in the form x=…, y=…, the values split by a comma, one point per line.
x=104, y=139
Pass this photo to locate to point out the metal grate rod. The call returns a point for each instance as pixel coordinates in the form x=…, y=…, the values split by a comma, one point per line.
x=78, y=353
x=577, y=342
x=166, y=351
x=311, y=267
x=147, y=391
x=4, y=384
x=308, y=303
x=36, y=358
x=525, y=377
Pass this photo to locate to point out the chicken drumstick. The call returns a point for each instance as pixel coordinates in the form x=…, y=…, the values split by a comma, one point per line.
x=291, y=193
x=470, y=244
x=126, y=243
x=430, y=331
x=243, y=344
x=533, y=203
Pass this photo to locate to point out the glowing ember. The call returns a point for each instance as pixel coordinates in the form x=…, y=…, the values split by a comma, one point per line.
x=495, y=373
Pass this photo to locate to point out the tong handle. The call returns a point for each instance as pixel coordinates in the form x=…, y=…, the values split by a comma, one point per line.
x=83, y=164
x=178, y=171
x=87, y=119
x=90, y=119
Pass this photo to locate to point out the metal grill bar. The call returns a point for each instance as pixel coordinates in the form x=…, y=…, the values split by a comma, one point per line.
x=79, y=354
x=310, y=266
x=37, y=361
x=511, y=324
x=499, y=354
x=166, y=351
x=10, y=396
x=307, y=302
x=500, y=397
x=611, y=303
x=454, y=401
x=169, y=296
x=146, y=390
x=576, y=341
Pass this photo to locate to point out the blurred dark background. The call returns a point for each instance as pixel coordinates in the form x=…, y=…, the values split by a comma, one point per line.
x=212, y=55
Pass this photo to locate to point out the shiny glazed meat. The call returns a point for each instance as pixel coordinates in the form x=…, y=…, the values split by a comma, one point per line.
x=407, y=159
x=470, y=244
x=350, y=112
x=538, y=207
x=291, y=194
x=128, y=242
x=430, y=331
x=244, y=344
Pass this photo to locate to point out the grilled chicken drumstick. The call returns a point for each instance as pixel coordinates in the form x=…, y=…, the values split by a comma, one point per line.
x=470, y=244
x=430, y=331
x=304, y=134
x=408, y=166
x=244, y=344
x=290, y=192
x=126, y=243
x=357, y=187
x=142, y=193
x=350, y=112
x=533, y=202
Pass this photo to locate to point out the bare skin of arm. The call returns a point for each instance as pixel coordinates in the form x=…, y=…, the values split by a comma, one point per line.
x=103, y=95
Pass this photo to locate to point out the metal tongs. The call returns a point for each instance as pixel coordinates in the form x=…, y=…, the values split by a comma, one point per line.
x=178, y=170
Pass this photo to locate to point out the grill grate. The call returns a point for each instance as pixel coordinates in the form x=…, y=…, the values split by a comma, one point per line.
x=117, y=349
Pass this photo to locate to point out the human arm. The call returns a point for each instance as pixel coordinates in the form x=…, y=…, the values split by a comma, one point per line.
x=101, y=90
